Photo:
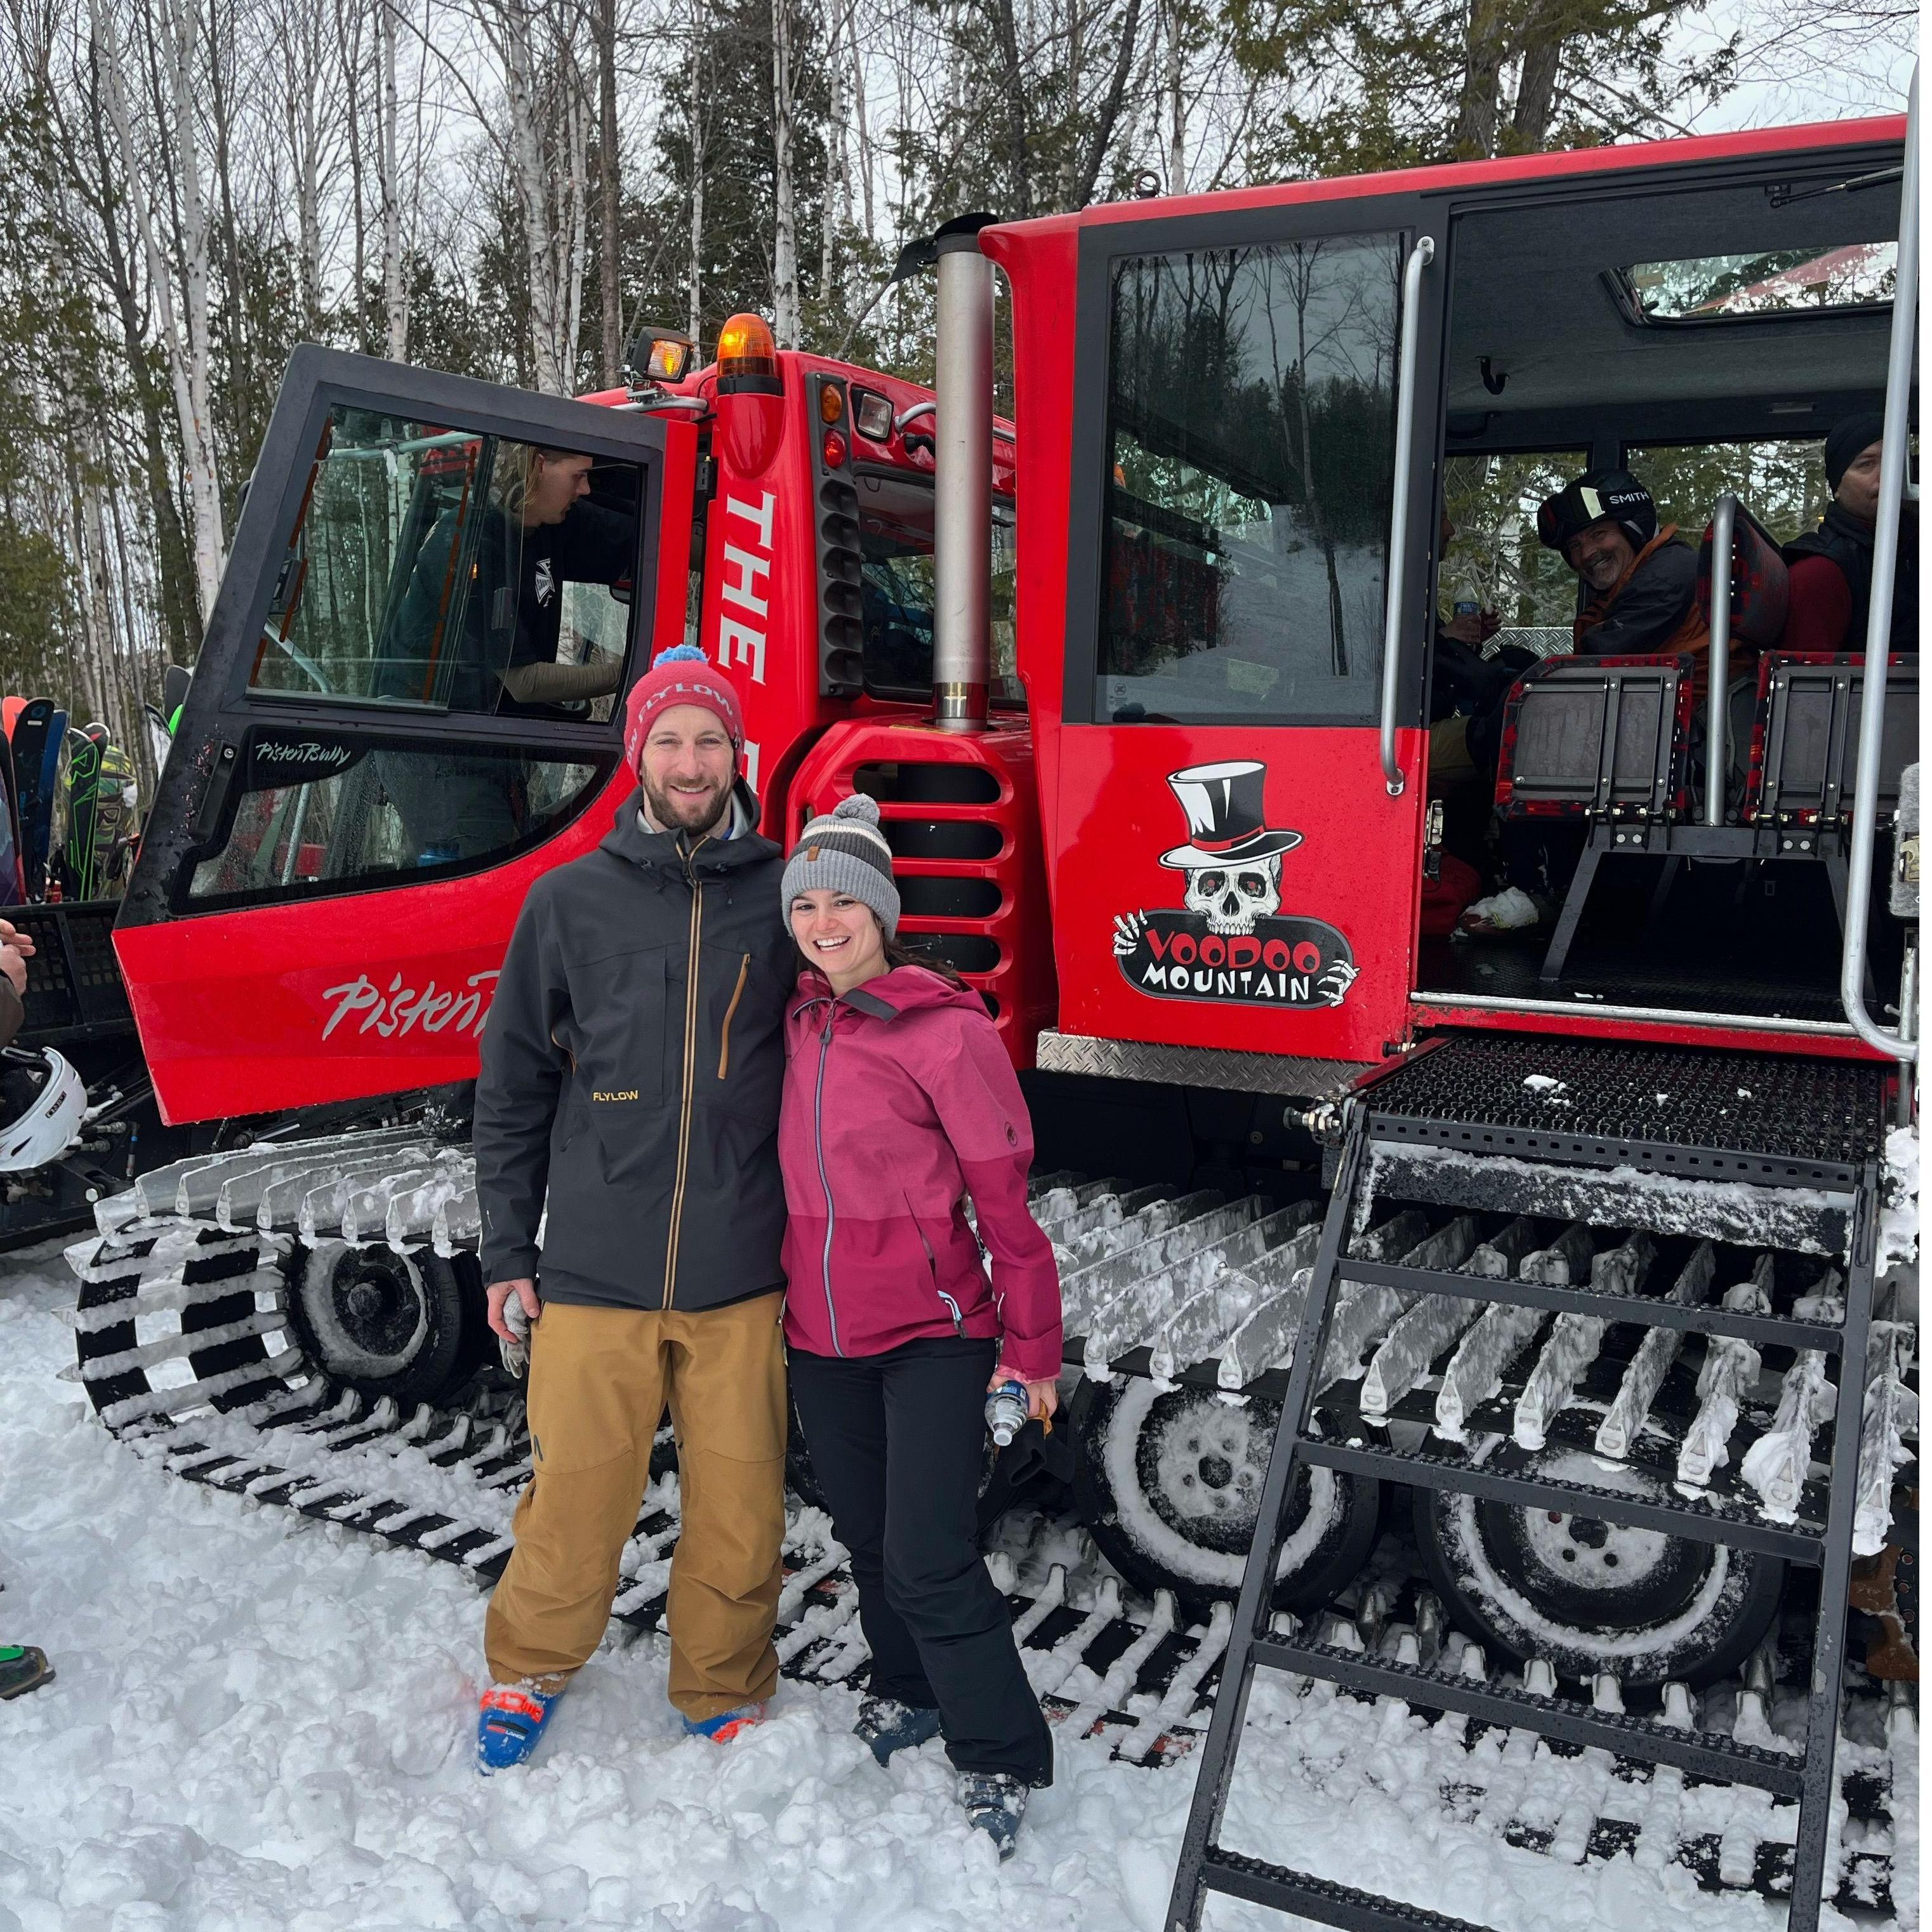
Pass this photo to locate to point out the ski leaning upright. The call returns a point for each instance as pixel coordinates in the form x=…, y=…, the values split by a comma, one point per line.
x=1460, y=1125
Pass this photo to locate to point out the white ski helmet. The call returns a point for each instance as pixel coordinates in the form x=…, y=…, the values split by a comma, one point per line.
x=50, y=1122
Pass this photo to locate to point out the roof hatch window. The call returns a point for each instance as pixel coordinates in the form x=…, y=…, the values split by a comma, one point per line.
x=1744, y=288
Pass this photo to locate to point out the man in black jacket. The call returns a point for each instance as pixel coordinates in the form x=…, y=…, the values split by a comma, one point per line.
x=628, y=1110
x=478, y=629
x=1831, y=566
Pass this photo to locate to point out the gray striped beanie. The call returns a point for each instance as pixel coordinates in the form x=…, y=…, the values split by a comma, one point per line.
x=844, y=851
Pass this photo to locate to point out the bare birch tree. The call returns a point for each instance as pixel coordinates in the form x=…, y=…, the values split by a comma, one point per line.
x=784, y=231
x=184, y=326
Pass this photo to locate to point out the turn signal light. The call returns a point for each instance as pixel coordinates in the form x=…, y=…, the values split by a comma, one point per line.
x=831, y=403
x=746, y=347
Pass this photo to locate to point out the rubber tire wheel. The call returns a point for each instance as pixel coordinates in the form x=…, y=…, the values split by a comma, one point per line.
x=1096, y=1411
x=1716, y=1648
x=454, y=1330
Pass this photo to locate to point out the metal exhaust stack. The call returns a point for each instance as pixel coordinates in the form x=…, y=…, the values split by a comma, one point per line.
x=963, y=506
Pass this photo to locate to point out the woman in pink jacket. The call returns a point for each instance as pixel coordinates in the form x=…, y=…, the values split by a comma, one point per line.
x=901, y=1105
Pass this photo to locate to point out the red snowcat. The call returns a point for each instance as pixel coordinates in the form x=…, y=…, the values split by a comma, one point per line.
x=1510, y=1329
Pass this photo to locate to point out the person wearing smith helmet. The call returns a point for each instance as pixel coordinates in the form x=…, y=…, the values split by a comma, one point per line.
x=1640, y=584
x=1641, y=581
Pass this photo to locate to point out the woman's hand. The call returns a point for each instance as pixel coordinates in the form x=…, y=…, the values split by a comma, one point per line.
x=1042, y=1397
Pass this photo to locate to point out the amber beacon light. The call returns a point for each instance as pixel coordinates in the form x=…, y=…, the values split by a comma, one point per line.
x=746, y=348
x=751, y=393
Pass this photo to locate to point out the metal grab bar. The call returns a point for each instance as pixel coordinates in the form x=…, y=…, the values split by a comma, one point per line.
x=1891, y=474
x=1716, y=733
x=1420, y=257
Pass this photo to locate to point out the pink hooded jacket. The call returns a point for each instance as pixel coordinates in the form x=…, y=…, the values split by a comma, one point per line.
x=899, y=1103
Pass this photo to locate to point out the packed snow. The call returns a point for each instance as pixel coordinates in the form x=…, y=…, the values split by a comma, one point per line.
x=261, y=1721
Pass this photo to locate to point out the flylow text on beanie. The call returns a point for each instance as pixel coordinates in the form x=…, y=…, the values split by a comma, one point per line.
x=682, y=675
x=844, y=851
x=1614, y=495
x=1848, y=441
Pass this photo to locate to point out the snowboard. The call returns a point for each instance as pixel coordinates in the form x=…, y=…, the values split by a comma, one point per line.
x=13, y=881
x=11, y=892
x=33, y=740
x=50, y=828
x=83, y=793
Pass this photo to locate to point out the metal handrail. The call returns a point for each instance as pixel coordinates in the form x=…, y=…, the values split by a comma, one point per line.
x=1892, y=463
x=1420, y=257
x=1717, y=748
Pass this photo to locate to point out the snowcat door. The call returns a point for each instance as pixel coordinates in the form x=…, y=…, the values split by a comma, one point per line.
x=408, y=705
x=1240, y=791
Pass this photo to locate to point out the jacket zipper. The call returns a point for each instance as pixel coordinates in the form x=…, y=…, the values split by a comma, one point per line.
x=690, y=1070
x=824, y=1179
x=730, y=1011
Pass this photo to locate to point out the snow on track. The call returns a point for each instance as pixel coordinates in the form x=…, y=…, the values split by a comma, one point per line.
x=262, y=1723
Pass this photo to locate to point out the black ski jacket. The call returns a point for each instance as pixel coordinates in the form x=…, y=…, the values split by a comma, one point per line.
x=632, y=1063
x=1851, y=545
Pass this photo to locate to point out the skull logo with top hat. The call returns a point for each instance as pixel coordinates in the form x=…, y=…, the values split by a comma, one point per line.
x=1233, y=858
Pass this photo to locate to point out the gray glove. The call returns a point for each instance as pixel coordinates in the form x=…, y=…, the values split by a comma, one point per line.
x=516, y=1355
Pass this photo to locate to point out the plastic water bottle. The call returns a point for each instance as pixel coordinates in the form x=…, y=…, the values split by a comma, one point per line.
x=1006, y=1411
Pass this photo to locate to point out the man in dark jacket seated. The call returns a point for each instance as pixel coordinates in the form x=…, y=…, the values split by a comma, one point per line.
x=1831, y=566
x=1641, y=586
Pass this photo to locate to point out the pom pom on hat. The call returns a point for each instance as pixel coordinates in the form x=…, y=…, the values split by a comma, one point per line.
x=680, y=654
x=860, y=805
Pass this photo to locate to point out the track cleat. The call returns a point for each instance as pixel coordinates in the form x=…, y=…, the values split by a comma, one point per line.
x=886, y=1726
x=994, y=1802
x=727, y=1724
x=23, y=1668
x=510, y=1719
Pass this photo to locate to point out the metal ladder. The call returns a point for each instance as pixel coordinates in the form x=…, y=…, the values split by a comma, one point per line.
x=1205, y=1865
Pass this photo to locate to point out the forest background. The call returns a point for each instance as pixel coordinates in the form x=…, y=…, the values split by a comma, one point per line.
x=507, y=188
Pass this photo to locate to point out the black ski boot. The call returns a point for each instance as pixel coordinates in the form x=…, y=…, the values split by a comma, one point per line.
x=994, y=1802
x=22, y=1668
x=887, y=1726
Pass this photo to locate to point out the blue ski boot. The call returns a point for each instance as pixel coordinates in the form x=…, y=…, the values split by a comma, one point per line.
x=512, y=1717
x=887, y=1726
x=994, y=1802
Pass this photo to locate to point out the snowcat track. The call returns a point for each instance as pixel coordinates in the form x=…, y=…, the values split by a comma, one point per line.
x=1157, y=1272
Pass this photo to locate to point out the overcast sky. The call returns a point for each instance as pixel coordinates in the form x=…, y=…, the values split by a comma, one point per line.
x=1805, y=61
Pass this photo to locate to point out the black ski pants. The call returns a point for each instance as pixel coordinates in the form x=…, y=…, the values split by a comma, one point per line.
x=897, y=1443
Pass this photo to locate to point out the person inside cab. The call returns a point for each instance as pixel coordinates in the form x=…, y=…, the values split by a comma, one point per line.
x=1639, y=587
x=1640, y=582
x=490, y=645
x=538, y=532
x=1830, y=598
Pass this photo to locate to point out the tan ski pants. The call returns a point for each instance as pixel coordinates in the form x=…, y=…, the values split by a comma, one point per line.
x=600, y=1378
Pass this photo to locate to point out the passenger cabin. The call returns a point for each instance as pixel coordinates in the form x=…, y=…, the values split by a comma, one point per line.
x=1704, y=335
x=1292, y=430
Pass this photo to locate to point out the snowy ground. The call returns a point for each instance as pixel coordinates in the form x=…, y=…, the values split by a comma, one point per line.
x=264, y=1722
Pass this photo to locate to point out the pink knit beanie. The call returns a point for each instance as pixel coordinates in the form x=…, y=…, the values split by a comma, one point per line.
x=682, y=675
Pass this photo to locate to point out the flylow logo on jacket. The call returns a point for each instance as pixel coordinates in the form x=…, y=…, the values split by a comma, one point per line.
x=628, y=1093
